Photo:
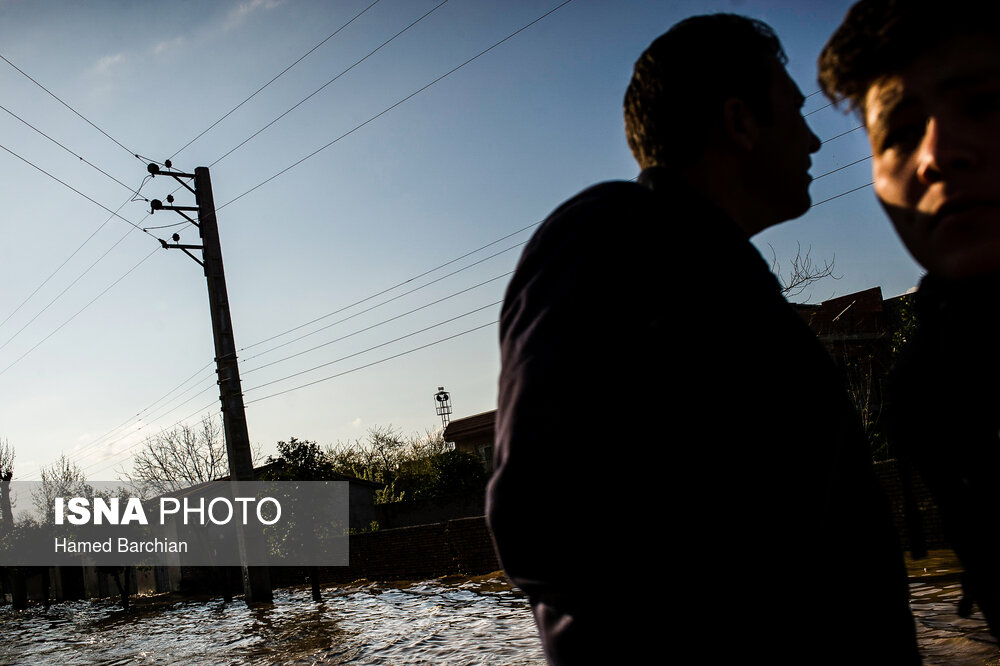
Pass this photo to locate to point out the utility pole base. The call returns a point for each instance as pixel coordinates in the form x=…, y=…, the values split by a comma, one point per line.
x=257, y=585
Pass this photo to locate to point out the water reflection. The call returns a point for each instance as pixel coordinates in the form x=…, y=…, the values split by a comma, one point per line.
x=944, y=637
x=471, y=621
x=447, y=621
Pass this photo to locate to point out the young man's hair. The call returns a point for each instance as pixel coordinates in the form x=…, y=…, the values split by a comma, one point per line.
x=881, y=37
x=681, y=80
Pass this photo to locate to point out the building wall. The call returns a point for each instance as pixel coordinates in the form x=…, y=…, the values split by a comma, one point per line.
x=460, y=546
x=432, y=510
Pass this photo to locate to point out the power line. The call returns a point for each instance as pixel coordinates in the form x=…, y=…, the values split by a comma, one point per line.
x=303, y=57
x=358, y=302
x=841, y=168
x=53, y=95
x=445, y=264
x=106, y=290
x=112, y=442
x=318, y=381
x=405, y=293
x=68, y=287
x=45, y=281
x=346, y=318
x=357, y=332
x=189, y=143
x=80, y=456
x=343, y=358
x=71, y=152
x=410, y=335
x=208, y=406
x=855, y=129
x=368, y=365
x=363, y=351
x=138, y=415
x=310, y=95
x=837, y=196
x=202, y=409
x=817, y=110
x=65, y=184
x=393, y=106
x=114, y=213
x=135, y=192
x=363, y=330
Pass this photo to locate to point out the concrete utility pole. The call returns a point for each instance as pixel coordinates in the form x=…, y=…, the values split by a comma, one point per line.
x=256, y=580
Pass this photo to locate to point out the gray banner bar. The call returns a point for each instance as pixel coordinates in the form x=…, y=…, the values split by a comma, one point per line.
x=279, y=523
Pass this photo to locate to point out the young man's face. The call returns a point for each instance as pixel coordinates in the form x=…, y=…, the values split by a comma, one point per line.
x=780, y=161
x=935, y=134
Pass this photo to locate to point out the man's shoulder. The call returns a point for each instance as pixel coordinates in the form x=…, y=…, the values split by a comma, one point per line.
x=609, y=192
x=596, y=203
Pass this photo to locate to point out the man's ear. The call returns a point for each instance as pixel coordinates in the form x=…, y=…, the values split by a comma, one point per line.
x=739, y=124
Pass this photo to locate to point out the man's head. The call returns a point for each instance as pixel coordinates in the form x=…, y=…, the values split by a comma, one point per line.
x=925, y=77
x=715, y=86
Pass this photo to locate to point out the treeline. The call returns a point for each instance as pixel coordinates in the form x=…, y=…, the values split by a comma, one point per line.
x=414, y=467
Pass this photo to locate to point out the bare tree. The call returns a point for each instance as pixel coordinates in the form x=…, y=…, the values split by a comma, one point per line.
x=6, y=474
x=179, y=458
x=405, y=465
x=803, y=273
x=62, y=478
x=6, y=458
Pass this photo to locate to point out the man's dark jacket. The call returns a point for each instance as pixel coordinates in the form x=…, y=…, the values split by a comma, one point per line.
x=944, y=419
x=677, y=463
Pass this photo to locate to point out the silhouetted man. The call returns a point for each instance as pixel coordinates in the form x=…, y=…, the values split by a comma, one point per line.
x=671, y=436
x=925, y=77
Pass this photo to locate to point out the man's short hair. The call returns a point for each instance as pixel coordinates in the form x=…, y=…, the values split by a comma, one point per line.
x=681, y=80
x=881, y=37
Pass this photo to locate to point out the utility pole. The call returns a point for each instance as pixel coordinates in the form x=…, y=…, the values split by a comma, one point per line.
x=256, y=580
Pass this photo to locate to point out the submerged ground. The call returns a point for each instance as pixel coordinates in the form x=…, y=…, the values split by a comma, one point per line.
x=478, y=620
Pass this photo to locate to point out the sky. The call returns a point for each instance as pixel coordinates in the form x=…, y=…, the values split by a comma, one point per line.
x=365, y=275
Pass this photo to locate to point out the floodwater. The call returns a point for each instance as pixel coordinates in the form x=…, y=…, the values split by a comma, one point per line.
x=943, y=636
x=454, y=620
x=466, y=621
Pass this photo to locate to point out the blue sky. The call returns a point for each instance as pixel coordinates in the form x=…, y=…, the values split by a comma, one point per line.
x=482, y=153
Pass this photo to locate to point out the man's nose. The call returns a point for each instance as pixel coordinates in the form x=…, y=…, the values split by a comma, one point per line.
x=943, y=151
x=814, y=141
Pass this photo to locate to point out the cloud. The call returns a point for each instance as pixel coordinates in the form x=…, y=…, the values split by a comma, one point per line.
x=168, y=45
x=244, y=9
x=103, y=76
x=356, y=423
x=105, y=64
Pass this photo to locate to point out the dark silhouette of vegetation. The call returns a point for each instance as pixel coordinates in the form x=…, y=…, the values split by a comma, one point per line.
x=865, y=374
x=6, y=474
x=454, y=473
x=902, y=322
x=302, y=460
x=11, y=578
x=408, y=467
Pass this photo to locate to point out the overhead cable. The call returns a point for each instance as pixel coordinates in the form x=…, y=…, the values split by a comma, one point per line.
x=58, y=328
x=401, y=101
x=276, y=77
x=310, y=95
x=53, y=95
